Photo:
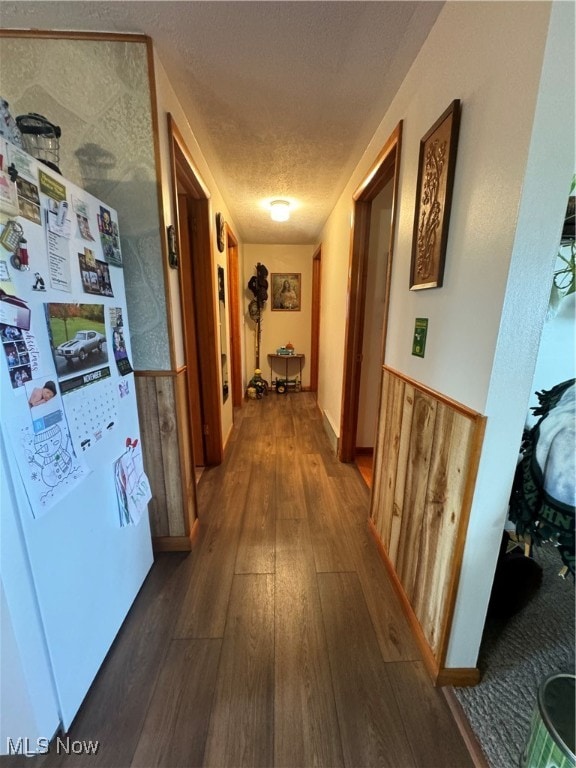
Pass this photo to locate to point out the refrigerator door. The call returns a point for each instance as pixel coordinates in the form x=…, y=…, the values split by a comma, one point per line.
x=69, y=420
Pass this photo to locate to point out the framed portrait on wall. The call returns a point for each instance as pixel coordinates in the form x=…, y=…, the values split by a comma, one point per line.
x=286, y=291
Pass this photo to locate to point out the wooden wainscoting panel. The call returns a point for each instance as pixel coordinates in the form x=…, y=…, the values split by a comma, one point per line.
x=386, y=456
x=186, y=454
x=167, y=435
x=167, y=456
x=402, y=409
x=445, y=514
x=428, y=449
x=152, y=452
x=420, y=434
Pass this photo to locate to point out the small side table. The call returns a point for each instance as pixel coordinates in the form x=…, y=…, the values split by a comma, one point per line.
x=272, y=357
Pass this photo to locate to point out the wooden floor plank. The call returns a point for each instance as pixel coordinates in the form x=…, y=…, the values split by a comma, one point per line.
x=434, y=739
x=256, y=547
x=176, y=725
x=370, y=722
x=394, y=636
x=390, y=624
x=306, y=725
x=204, y=608
x=316, y=664
x=289, y=492
x=241, y=731
x=115, y=709
x=331, y=549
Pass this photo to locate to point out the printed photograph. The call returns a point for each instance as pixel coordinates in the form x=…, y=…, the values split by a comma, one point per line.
x=95, y=274
x=286, y=292
x=78, y=337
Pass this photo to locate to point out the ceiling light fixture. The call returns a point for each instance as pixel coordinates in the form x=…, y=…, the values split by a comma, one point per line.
x=280, y=210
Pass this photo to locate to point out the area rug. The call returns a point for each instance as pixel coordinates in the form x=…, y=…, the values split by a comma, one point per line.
x=516, y=656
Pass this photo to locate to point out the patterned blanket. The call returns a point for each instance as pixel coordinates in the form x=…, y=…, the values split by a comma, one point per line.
x=543, y=498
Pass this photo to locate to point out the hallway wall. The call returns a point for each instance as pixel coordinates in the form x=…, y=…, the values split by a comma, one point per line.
x=167, y=102
x=490, y=55
x=278, y=327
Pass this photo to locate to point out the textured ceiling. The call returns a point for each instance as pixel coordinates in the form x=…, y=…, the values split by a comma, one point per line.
x=283, y=96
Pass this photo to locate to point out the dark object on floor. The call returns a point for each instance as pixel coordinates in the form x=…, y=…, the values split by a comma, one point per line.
x=516, y=581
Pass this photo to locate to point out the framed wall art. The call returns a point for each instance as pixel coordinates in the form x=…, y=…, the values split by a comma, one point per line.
x=286, y=291
x=436, y=165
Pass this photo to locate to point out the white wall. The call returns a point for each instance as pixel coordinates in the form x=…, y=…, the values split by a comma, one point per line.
x=278, y=328
x=490, y=56
x=334, y=308
x=541, y=212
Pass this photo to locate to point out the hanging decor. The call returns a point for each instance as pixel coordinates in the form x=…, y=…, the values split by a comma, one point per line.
x=220, y=232
x=258, y=286
x=436, y=166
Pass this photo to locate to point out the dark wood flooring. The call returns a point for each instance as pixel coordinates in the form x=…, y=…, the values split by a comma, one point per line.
x=278, y=641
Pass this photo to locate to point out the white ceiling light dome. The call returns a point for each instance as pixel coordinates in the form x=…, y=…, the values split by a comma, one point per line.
x=280, y=210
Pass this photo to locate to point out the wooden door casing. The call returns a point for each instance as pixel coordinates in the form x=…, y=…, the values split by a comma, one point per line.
x=234, y=313
x=190, y=332
x=316, y=304
x=198, y=289
x=385, y=168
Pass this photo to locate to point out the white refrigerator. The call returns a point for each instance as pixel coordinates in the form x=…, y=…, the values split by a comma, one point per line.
x=75, y=535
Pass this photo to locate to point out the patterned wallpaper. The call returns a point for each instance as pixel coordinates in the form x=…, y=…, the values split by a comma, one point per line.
x=98, y=93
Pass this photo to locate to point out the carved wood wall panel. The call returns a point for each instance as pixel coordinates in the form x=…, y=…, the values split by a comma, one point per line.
x=425, y=466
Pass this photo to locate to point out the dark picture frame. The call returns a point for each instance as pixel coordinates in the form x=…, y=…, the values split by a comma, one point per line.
x=286, y=291
x=436, y=167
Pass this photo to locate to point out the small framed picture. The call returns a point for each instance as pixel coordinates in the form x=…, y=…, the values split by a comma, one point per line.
x=286, y=292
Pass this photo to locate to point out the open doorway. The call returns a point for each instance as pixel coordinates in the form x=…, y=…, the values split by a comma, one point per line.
x=197, y=299
x=379, y=188
x=375, y=304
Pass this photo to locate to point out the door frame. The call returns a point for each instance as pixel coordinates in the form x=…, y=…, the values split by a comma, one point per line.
x=193, y=400
x=315, y=322
x=197, y=283
x=235, y=344
x=385, y=168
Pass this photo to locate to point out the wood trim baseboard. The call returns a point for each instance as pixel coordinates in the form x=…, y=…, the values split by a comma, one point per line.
x=195, y=532
x=177, y=543
x=461, y=677
x=172, y=543
x=168, y=372
x=462, y=723
x=116, y=37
